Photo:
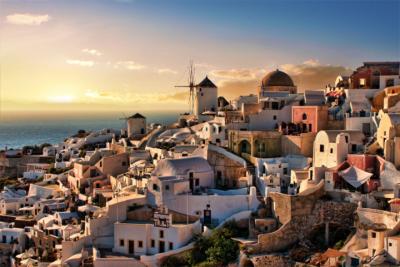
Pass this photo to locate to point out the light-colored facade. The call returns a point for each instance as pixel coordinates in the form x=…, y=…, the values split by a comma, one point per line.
x=137, y=238
x=388, y=137
x=206, y=98
x=136, y=125
x=331, y=147
x=392, y=247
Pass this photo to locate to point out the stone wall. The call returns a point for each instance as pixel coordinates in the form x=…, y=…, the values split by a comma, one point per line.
x=335, y=125
x=300, y=215
x=229, y=169
x=272, y=260
x=298, y=144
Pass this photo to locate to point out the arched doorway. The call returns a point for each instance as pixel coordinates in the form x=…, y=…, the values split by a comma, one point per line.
x=244, y=147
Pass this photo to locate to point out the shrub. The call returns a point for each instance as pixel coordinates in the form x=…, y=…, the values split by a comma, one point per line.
x=217, y=250
x=174, y=261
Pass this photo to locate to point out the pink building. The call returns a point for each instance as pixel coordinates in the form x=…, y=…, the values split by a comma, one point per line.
x=312, y=118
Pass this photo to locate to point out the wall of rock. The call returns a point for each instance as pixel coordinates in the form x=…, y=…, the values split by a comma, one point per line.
x=300, y=215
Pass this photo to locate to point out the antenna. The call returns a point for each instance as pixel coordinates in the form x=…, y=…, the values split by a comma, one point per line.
x=124, y=117
x=191, y=86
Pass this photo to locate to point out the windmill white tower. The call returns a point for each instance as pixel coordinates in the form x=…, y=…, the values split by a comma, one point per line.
x=203, y=97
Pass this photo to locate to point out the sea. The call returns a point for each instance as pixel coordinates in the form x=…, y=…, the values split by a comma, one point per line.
x=16, y=133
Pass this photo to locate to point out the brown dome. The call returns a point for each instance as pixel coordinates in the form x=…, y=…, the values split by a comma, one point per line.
x=277, y=78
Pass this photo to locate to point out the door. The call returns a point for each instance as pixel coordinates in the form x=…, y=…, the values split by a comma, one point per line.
x=191, y=181
x=207, y=217
x=161, y=247
x=131, y=247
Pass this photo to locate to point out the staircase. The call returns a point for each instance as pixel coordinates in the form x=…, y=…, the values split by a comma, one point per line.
x=251, y=170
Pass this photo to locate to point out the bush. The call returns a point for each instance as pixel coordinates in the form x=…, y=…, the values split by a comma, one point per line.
x=217, y=250
x=174, y=261
x=223, y=249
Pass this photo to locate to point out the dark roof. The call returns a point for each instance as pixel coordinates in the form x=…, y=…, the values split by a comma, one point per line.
x=207, y=83
x=137, y=116
x=277, y=78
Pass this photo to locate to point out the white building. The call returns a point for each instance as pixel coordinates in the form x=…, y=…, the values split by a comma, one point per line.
x=206, y=98
x=273, y=174
x=188, y=174
x=331, y=147
x=392, y=247
x=136, y=125
x=138, y=237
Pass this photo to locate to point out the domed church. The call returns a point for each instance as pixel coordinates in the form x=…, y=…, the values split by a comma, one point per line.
x=277, y=81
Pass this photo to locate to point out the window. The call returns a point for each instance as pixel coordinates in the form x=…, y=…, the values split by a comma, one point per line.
x=121, y=242
x=331, y=150
x=123, y=163
x=321, y=148
x=274, y=118
x=171, y=246
x=155, y=187
x=101, y=164
x=354, y=147
x=362, y=82
x=197, y=182
x=373, y=234
x=304, y=116
x=140, y=244
x=208, y=206
x=390, y=244
x=161, y=233
x=285, y=171
x=167, y=187
x=202, y=94
x=153, y=243
x=347, y=139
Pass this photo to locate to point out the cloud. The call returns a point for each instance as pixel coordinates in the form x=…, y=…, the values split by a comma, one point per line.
x=204, y=65
x=309, y=75
x=167, y=71
x=175, y=97
x=27, y=19
x=242, y=74
x=83, y=63
x=92, y=52
x=129, y=65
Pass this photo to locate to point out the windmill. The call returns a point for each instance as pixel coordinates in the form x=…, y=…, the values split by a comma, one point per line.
x=191, y=86
x=124, y=126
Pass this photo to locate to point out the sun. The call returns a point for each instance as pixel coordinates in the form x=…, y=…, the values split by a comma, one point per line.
x=61, y=99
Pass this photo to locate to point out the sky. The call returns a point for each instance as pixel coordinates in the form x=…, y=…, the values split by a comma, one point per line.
x=98, y=56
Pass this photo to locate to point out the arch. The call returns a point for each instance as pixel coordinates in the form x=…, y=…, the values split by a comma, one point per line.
x=244, y=147
x=304, y=116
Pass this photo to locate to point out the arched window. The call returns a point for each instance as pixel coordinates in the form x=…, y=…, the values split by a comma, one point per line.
x=304, y=116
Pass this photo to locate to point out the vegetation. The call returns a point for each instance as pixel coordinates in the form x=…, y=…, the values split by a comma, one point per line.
x=35, y=150
x=7, y=182
x=81, y=134
x=216, y=250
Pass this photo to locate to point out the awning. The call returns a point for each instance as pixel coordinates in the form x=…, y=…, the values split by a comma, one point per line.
x=355, y=176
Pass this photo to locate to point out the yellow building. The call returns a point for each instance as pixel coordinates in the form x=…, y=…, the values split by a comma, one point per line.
x=388, y=137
